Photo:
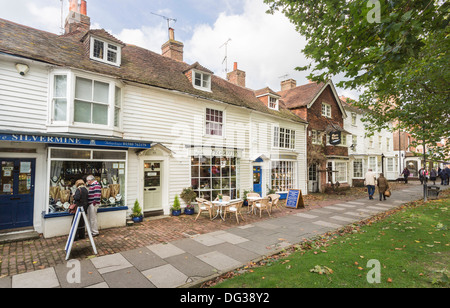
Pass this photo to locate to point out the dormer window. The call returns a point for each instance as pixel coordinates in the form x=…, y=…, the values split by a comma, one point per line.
x=273, y=103
x=105, y=52
x=201, y=80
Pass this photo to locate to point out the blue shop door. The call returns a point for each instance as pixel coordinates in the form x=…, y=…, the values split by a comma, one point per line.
x=16, y=193
x=257, y=180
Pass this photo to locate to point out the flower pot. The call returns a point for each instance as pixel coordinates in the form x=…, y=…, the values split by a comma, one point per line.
x=176, y=212
x=137, y=219
x=189, y=211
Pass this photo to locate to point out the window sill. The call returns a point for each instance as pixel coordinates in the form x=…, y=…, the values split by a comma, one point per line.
x=100, y=210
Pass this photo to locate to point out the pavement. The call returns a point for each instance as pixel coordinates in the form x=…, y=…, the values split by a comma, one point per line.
x=196, y=257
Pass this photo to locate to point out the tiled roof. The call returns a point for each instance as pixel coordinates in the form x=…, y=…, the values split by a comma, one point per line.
x=301, y=96
x=138, y=65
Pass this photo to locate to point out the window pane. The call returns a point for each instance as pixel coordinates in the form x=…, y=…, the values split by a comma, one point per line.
x=60, y=86
x=98, y=49
x=110, y=155
x=101, y=92
x=78, y=154
x=198, y=79
x=118, y=97
x=60, y=110
x=100, y=114
x=82, y=112
x=83, y=89
x=112, y=56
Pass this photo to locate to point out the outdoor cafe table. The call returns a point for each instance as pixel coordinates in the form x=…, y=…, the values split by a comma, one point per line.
x=221, y=205
x=253, y=200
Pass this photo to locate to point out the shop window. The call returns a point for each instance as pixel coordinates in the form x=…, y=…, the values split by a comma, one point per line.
x=283, y=175
x=211, y=176
x=68, y=165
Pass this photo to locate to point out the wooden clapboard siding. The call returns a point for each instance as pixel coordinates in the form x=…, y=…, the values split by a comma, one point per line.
x=23, y=100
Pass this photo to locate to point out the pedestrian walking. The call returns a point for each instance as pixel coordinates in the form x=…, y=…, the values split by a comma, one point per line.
x=81, y=199
x=446, y=173
x=383, y=186
x=406, y=174
x=370, y=181
x=422, y=175
x=433, y=175
x=95, y=194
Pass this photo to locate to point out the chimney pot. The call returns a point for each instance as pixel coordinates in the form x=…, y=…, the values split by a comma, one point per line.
x=83, y=7
x=171, y=34
x=235, y=66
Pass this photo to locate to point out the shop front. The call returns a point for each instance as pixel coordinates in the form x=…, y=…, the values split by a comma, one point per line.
x=37, y=187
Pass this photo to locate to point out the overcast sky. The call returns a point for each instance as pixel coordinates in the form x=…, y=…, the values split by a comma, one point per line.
x=266, y=47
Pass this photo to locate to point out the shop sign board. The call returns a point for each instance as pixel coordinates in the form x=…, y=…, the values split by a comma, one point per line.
x=64, y=140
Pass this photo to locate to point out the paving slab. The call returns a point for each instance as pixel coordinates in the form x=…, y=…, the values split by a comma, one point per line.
x=45, y=278
x=231, y=238
x=235, y=252
x=127, y=278
x=110, y=263
x=191, y=266
x=326, y=224
x=77, y=274
x=143, y=258
x=208, y=239
x=192, y=246
x=336, y=208
x=166, y=276
x=341, y=218
x=219, y=260
x=165, y=250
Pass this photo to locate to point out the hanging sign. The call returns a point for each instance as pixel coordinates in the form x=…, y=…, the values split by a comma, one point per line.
x=335, y=138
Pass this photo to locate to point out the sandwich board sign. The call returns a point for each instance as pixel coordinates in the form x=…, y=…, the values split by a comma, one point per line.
x=294, y=199
x=73, y=231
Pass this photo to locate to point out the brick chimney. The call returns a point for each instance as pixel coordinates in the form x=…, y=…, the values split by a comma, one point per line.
x=288, y=84
x=77, y=19
x=237, y=76
x=172, y=48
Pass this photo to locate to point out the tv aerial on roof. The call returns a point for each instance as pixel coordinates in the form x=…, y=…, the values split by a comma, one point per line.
x=168, y=19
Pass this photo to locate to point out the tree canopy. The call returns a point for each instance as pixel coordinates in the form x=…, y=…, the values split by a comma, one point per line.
x=395, y=51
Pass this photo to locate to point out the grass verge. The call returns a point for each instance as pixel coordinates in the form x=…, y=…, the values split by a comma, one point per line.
x=403, y=248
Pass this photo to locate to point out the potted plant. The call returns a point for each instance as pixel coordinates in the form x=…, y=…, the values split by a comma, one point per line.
x=188, y=195
x=245, y=197
x=189, y=209
x=176, y=207
x=136, y=215
x=220, y=197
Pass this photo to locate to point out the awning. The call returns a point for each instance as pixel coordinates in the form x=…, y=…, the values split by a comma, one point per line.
x=74, y=140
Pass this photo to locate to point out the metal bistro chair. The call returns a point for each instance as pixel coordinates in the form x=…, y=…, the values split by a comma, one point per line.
x=204, y=205
x=264, y=204
x=235, y=208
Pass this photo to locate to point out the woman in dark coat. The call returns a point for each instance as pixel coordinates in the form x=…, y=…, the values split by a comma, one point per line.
x=81, y=199
x=383, y=186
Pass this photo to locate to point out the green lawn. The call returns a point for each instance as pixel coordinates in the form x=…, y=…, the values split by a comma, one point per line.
x=411, y=247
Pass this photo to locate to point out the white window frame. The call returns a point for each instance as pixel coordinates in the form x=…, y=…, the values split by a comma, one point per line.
x=70, y=112
x=202, y=80
x=207, y=132
x=326, y=110
x=315, y=137
x=283, y=138
x=358, y=168
x=273, y=103
x=107, y=46
x=354, y=117
x=283, y=175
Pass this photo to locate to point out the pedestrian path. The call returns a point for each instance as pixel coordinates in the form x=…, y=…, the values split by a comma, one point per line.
x=193, y=260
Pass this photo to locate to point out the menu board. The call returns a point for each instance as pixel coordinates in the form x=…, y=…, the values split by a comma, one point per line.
x=295, y=199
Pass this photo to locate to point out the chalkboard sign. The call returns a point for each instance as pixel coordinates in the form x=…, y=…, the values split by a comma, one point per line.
x=295, y=199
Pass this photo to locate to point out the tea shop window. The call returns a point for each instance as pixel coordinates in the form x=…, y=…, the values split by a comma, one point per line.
x=69, y=165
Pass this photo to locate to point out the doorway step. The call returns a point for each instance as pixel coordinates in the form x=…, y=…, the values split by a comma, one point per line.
x=12, y=236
